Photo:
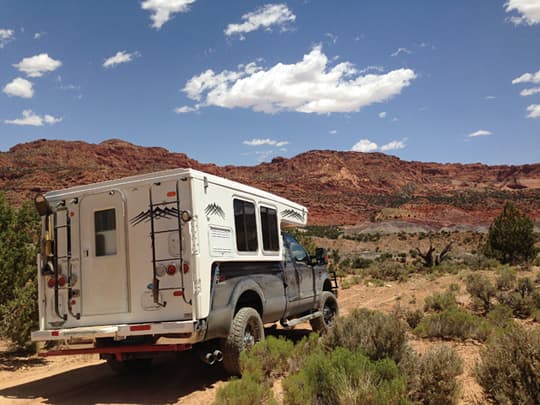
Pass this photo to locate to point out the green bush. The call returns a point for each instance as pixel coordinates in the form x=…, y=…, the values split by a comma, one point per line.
x=440, y=301
x=511, y=237
x=432, y=378
x=509, y=367
x=268, y=357
x=481, y=291
x=506, y=280
x=345, y=377
x=501, y=316
x=245, y=391
x=453, y=323
x=373, y=333
x=388, y=270
x=361, y=263
x=18, y=287
x=413, y=317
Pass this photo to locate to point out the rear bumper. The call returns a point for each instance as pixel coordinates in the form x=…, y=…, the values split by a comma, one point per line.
x=187, y=329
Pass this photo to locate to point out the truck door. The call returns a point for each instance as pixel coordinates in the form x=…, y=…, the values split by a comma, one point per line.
x=104, y=284
x=304, y=270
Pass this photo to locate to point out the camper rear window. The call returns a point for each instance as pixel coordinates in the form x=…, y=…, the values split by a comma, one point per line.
x=269, y=229
x=105, y=227
x=246, y=226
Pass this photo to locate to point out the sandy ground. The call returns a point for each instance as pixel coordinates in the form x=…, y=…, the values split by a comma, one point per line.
x=183, y=379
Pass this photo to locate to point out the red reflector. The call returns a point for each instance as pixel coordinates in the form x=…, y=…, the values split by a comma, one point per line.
x=171, y=269
x=73, y=302
x=186, y=267
x=171, y=194
x=135, y=328
x=61, y=281
x=221, y=278
x=50, y=283
x=55, y=333
x=177, y=293
x=72, y=214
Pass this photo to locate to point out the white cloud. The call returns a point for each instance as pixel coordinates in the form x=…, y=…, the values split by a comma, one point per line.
x=394, y=145
x=364, y=145
x=185, y=109
x=120, y=57
x=527, y=78
x=371, y=68
x=382, y=114
x=6, y=36
x=36, y=66
x=30, y=118
x=19, y=87
x=162, y=10
x=529, y=11
x=534, y=111
x=332, y=37
x=530, y=92
x=264, y=17
x=480, y=132
x=39, y=35
x=267, y=141
x=309, y=86
x=399, y=51
x=490, y=97
x=332, y=132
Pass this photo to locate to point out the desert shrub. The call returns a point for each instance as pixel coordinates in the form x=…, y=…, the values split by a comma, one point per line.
x=432, y=378
x=522, y=307
x=373, y=333
x=481, y=262
x=268, y=357
x=245, y=391
x=525, y=287
x=18, y=286
x=388, y=270
x=413, y=317
x=440, y=301
x=481, y=291
x=511, y=237
x=501, y=316
x=509, y=367
x=453, y=323
x=361, y=263
x=506, y=279
x=345, y=377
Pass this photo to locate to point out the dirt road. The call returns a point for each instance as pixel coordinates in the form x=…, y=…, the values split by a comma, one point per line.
x=182, y=378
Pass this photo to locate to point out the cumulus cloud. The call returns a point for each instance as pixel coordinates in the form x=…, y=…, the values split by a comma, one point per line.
x=530, y=92
x=267, y=141
x=120, y=57
x=163, y=10
x=365, y=145
x=528, y=10
x=19, y=87
x=394, y=145
x=6, y=36
x=527, y=78
x=32, y=119
x=400, y=51
x=534, y=111
x=264, y=17
x=37, y=65
x=39, y=35
x=480, y=132
x=382, y=114
x=308, y=86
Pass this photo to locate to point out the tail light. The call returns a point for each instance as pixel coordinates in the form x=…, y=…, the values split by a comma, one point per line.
x=61, y=281
x=50, y=282
x=185, y=267
x=171, y=269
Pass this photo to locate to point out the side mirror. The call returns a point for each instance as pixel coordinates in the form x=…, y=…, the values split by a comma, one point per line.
x=321, y=256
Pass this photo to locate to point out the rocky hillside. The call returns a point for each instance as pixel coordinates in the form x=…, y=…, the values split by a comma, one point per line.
x=337, y=187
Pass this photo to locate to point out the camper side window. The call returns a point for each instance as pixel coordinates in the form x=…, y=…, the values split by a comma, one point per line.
x=269, y=229
x=105, y=228
x=246, y=226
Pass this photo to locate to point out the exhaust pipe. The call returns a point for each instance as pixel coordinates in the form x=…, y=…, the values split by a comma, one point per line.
x=218, y=355
x=208, y=358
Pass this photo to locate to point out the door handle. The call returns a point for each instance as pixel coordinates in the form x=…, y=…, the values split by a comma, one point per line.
x=85, y=252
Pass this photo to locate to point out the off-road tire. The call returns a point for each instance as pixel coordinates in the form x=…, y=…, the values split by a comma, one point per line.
x=330, y=312
x=246, y=330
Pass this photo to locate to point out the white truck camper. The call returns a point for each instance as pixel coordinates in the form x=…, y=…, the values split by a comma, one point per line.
x=171, y=261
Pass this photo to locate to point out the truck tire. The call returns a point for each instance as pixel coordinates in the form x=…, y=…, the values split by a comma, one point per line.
x=246, y=330
x=330, y=312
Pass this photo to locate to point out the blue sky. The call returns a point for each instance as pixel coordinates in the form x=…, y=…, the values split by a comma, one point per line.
x=240, y=82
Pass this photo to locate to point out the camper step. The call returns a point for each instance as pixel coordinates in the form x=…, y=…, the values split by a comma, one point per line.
x=289, y=324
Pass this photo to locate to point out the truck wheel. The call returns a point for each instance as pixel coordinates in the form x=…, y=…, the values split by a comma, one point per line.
x=330, y=312
x=246, y=330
